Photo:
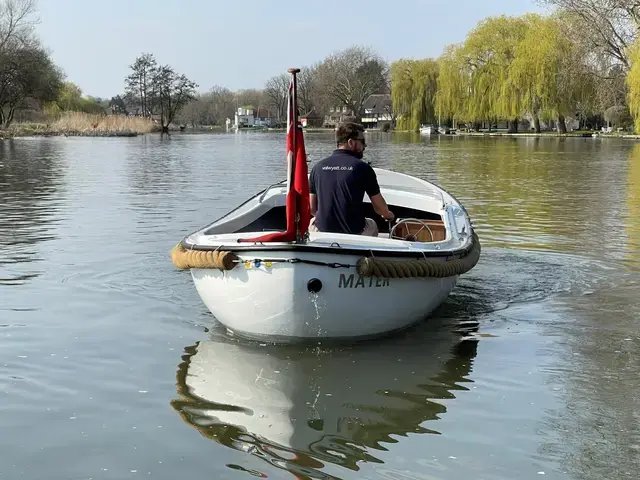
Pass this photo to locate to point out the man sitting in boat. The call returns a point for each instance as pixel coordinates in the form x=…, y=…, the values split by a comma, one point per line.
x=337, y=185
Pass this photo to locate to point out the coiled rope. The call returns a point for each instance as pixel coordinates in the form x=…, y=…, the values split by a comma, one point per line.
x=183, y=259
x=376, y=267
x=217, y=259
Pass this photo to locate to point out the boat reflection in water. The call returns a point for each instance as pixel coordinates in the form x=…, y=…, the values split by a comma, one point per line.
x=302, y=409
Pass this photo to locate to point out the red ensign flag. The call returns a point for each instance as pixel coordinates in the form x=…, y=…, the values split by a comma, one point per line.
x=297, y=204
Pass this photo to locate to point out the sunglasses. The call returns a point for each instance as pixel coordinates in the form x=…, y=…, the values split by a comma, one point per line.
x=364, y=143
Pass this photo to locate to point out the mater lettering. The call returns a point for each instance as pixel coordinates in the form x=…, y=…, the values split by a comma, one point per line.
x=353, y=281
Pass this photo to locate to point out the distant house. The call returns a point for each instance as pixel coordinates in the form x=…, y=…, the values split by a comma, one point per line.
x=336, y=115
x=311, y=119
x=263, y=117
x=246, y=117
x=376, y=110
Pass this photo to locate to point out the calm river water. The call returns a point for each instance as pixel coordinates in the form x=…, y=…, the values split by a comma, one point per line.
x=112, y=368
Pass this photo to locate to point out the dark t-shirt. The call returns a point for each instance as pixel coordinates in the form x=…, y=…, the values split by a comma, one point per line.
x=340, y=182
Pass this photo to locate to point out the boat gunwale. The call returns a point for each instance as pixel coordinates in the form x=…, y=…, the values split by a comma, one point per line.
x=310, y=248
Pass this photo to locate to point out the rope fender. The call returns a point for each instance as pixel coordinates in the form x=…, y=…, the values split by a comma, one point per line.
x=184, y=259
x=374, y=267
x=366, y=266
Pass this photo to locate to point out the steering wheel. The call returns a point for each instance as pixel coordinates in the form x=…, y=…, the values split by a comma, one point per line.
x=411, y=237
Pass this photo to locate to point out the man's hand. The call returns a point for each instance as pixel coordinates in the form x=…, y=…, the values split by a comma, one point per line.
x=381, y=208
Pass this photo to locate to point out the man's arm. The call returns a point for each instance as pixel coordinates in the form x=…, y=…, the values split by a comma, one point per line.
x=380, y=207
x=377, y=200
x=313, y=199
x=313, y=203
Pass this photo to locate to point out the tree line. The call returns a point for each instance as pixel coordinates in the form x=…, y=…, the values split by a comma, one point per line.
x=28, y=76
x=345, y=78
x=32, y=86
x=582, y=62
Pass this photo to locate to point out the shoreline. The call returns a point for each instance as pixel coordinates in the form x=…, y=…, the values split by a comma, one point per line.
x=585, y=134
x=21, y=130
x=4, y=135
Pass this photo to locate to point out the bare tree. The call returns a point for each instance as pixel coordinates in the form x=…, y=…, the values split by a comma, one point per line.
x=609, y=26
x=17, y=21
x=309, y=95
x=173, y=92
x=349, y=77
x=117, y=105
x=276, y=91
x=251, y=96
x=139, y=83
x=223, y=105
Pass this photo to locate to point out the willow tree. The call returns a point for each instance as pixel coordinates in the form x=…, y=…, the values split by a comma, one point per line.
x=452, y=98
x=493, y=45
x=480, y=67
x=549, y=71
x=414, y=84
x=633, y=83
x=576, y=82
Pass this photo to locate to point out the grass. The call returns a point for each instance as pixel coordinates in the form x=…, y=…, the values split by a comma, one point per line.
x=84, y=124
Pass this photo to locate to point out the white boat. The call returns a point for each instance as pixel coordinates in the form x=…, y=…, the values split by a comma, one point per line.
x=428, y=130
x=323, y=288
x=302, y=406
x=330, y=286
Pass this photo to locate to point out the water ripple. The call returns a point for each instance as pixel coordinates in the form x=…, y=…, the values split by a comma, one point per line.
x=537, y=343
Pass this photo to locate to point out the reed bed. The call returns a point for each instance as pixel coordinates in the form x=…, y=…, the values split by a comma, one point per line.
x=84, y=124
x=78, y=123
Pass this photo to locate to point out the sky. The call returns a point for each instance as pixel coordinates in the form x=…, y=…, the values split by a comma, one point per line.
x=241, y=44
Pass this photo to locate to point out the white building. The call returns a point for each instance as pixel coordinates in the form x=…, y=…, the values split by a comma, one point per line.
x=244, y=117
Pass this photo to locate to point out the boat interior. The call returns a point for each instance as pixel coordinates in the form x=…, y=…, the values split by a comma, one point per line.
x=418, y=213
x=409, y=225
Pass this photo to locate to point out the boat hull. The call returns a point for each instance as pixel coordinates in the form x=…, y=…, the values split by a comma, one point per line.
x=293, y=302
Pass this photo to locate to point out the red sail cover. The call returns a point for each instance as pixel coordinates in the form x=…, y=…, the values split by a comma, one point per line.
x=297, y=197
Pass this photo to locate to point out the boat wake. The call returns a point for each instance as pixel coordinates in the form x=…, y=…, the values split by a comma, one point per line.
x=506, y=278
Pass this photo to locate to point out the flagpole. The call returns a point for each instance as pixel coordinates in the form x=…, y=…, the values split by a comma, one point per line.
x=294, y=140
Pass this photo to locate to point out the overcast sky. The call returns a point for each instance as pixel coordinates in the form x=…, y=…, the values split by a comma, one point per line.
x=241, y=44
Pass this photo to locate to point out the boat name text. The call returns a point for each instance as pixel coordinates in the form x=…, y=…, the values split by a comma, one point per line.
x=349, y=281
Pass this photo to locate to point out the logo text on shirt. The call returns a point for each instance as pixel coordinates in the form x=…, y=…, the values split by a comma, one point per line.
x=336, y=167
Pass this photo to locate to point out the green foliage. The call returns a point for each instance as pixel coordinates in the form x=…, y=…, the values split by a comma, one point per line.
x=28, y=78
x=633, y=82
x=511, y=67
x=70, y=99
x=453, y=89
x=414, y=85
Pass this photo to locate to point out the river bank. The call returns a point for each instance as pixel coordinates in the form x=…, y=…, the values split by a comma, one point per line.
x=83, y=124
x=578, y=133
